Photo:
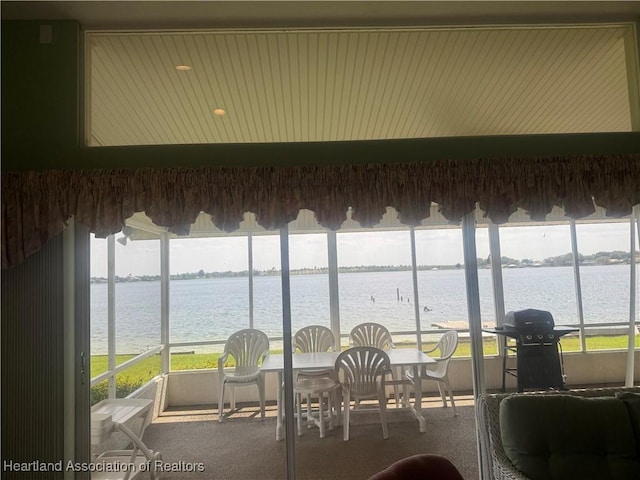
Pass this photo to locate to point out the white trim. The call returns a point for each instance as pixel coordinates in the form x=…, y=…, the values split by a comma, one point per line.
x=416, y=295
x=112, y=373
x=496, y=278
x=334, y=292
x=473, y=306
x=288, y=352
x=632, y=300
x=165, y=295
x=578, y=284
x=250, y=266
x=111, y=312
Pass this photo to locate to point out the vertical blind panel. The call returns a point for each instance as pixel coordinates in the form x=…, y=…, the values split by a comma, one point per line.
x=32, y=361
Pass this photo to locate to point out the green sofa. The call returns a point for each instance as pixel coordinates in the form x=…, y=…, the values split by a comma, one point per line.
x=577, y=434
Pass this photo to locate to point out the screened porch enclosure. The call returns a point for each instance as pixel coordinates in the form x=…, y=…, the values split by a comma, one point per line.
x=191, y=318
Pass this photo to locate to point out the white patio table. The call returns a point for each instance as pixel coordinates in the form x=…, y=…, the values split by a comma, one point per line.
x=129, y=416
x=110, y=414
x=399, y=357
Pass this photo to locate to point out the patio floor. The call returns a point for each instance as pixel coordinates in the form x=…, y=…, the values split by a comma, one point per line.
x=244, y=448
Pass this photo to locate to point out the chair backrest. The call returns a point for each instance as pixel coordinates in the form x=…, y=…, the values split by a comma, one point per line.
x=371, y=334
x=447, y=346
x=314, y=338
x=363, y=369
x=248, y=347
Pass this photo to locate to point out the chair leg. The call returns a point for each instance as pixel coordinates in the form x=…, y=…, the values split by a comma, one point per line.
x=309, y=411
x=345, y=415
x=220, y=401
x=337, y=405
x=330, y=408
x=396, y=375
x=261, y=393
x=453, y=405
x=442, y=394
x=299, y=413
x=232, y=394
x=405, y=395
x=383, y=414
x=321, y=414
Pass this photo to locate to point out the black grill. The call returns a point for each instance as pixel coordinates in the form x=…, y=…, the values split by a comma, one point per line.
x=531, y=326
x=539, y=364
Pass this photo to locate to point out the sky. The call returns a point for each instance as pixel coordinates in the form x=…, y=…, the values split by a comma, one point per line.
x=433, y=247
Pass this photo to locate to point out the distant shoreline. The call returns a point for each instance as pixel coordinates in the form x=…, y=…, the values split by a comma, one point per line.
x=598, y=259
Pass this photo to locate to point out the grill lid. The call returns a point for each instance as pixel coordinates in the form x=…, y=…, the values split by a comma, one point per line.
x=529, y=320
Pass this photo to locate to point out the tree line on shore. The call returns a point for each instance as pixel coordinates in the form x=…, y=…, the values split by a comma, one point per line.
x=599, y=258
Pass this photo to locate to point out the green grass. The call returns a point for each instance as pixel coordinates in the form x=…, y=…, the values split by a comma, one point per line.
x=140, y=373
x=149, y=367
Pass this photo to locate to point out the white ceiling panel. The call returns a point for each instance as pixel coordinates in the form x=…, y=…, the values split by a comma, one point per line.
x=357, y=84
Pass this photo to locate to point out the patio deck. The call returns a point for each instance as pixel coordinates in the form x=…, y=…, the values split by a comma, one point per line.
x=244, y=448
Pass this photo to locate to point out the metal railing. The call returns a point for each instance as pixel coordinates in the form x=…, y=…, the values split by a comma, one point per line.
x=624, y=329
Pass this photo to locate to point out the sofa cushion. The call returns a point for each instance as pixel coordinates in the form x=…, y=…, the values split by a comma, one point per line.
x=566, y=437
x=632, y=401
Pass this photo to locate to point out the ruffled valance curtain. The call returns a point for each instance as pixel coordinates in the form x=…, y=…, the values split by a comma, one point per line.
x=37, y=205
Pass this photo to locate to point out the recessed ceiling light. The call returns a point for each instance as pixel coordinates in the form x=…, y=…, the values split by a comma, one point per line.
x=219, y=112
x=183, y=68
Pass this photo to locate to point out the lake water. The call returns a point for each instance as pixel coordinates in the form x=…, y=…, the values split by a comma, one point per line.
x=211, y=309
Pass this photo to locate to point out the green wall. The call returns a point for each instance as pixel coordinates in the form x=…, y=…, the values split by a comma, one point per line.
x=39, y=94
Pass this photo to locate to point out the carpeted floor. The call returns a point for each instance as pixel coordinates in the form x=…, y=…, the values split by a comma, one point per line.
x=244, y=448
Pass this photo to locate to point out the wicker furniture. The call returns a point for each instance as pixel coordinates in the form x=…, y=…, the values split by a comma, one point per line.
x=495, y=463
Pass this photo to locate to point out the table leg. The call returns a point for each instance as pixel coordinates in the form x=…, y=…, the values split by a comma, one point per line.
x=417, y=408
x=504, y=363
x=279, y=414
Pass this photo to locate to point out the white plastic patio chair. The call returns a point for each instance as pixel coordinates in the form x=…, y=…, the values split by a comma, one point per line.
x=362, y=372
x=438, y=372
x=248, y=348
x=376, y=335
x=371, y=334
x=316, y=338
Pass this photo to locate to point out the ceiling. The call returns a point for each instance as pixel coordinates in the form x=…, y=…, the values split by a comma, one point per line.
x=307, y=13
x=325, y=71
x=311, y=85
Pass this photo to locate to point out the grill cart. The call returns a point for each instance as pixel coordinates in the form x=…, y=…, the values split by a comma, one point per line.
x=539, y=363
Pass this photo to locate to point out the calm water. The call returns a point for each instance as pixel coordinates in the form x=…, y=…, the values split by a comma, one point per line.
x=211, y=309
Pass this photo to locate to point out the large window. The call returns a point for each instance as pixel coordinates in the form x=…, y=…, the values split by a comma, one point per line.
x=267, y=286
x=212, y=293
x=209, y=290
x=605, y=280
x=375, y=280
x=131, y=311
x=99, y=302
x=309, y=280
x=537, y=270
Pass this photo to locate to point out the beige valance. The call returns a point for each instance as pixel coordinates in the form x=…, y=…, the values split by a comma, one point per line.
x=37, y=205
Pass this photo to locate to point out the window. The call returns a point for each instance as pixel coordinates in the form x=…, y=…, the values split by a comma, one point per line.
x=375, y=280
x=209, y=290
x=604, y=274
